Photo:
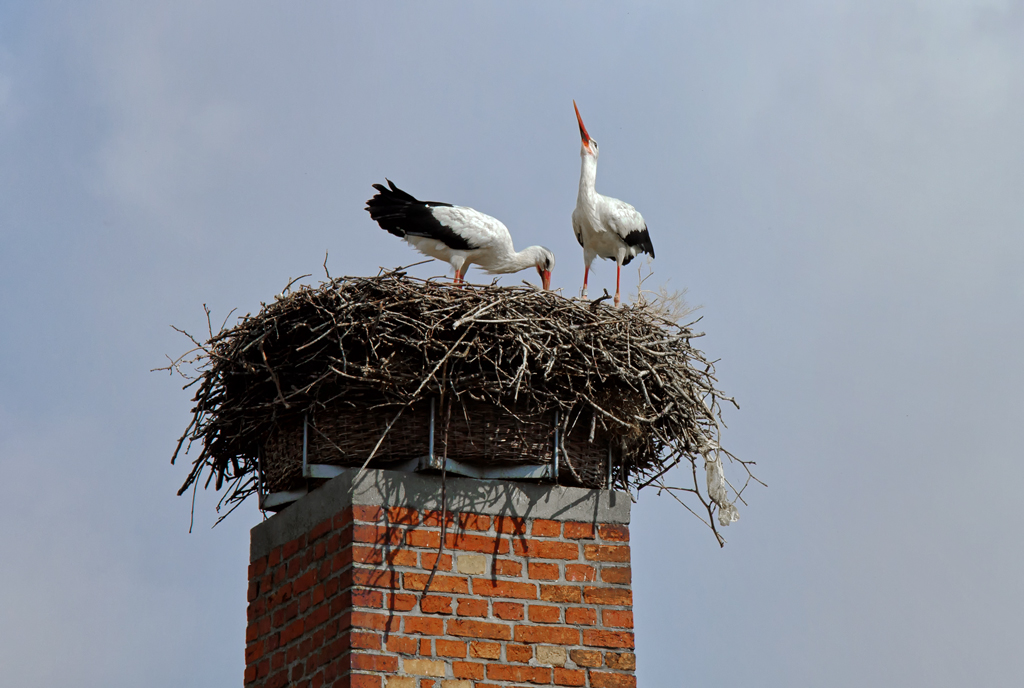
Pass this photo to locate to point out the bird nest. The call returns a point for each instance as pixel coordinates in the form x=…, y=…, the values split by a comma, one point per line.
x=367, y=370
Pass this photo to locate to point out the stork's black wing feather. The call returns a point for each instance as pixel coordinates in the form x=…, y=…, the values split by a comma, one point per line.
x=641, y=239
x=402, y=214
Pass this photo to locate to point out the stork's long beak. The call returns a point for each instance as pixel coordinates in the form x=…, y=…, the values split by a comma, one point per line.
x=583, y=130
x=545, y=278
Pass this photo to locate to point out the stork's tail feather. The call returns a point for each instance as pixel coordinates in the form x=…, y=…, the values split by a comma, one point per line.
x=390, y=207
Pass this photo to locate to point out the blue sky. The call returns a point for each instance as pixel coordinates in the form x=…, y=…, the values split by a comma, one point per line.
x=837, y=185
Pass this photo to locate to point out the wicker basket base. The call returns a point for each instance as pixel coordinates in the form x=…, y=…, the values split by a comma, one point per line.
x=481, y=434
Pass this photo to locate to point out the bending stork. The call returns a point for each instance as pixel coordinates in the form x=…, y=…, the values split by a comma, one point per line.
x=455, y=234
x=605, y=226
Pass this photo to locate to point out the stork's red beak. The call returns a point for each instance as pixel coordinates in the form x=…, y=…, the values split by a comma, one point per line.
x=545, y=278
x=583, y=130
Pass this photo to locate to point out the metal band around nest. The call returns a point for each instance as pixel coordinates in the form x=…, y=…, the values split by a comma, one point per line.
x=276, y=501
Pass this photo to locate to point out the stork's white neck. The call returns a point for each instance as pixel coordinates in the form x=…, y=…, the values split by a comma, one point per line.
x=588, y=176
x=518, y=260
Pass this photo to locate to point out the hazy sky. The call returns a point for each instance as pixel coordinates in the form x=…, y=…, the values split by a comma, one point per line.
x=838, y=185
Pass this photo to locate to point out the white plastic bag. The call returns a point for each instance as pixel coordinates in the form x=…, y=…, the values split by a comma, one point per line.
x=727, y=512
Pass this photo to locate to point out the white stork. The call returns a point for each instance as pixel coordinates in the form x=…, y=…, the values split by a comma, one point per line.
x=605, y=226
x=455, y=234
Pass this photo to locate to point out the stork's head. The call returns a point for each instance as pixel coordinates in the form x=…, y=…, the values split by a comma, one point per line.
x=545, y=264
x=589, y=145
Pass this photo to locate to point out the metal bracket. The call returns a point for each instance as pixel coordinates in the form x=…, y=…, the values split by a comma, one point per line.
x=609, y=464
x=275, y=501
x=554, y=453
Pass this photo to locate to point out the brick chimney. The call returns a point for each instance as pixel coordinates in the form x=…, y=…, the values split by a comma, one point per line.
x=533, y=587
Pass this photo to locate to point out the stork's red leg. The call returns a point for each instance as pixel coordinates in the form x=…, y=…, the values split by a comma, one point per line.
x=618, y=274
x=586, y=274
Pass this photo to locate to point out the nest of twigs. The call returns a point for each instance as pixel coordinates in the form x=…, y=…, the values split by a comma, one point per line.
x=631, y=395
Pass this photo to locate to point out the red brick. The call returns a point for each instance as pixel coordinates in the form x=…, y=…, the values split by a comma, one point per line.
x=280, y=596
x=427, y=560
x=606, y=552
x=424, y=624
x=622, y=597
x=579, y=531
x=378, y=622
x=613, y=533
x=401, y=557
x=586, y=658
x=425, y=647
x=471, y=670
x=519, y=653
x=278, y=680
x=292, y=547
x=436, y=604
x=510, y=525
x=368, y=662
x=505, y=672
x=403, y=515
x=599, y=638
x=580, y=572
x=291, y=631
x=378, y=578
x=570, y=677
x=342, y=518
x=254, y=591
x=378, y=535
x=602, y=679
x=490, y=544
x=484, y=650
x=545, y=549
x=253, y=651
x=286, y=613
x=474, y=522
x=417, y=581
x=320, y=529
x=560, y=593
x=317, y=617
x=365, y=681
x=450, y=648
x=372, y=514
x=471, y=607
x=581, y=616
x=341, y=560
x=402, y=645
x=491, y=588
x=538, y=571
x=401, y=602
x=478, y=629
x=429, y=539
x=540, y=613
x=553, y=635
x=617, y=574
x=620, y=660
x=364, y=641
x=318, y=594
x=433, y=519
x=545, y=528
x=509, y=611
x=506, y=567
x=367, y=598
x=617, y=618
